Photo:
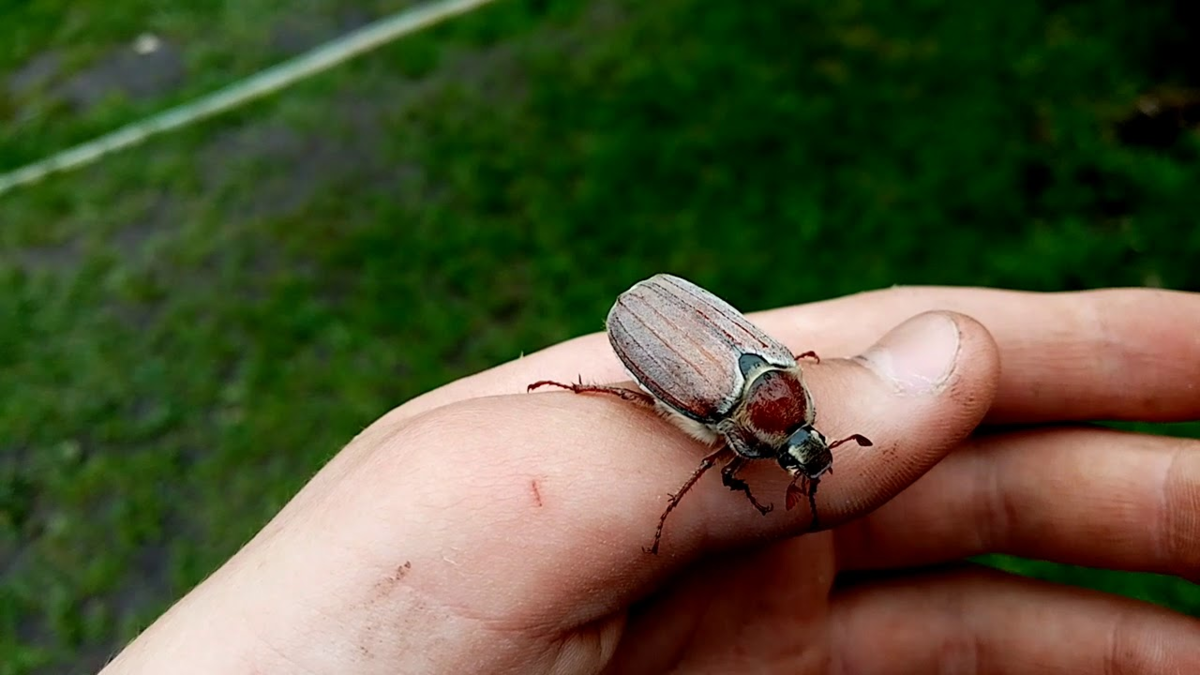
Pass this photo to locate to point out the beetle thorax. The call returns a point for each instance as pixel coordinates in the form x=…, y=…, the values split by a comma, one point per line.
x=775, y=403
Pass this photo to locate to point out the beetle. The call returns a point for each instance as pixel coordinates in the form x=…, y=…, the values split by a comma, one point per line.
x=707, y=368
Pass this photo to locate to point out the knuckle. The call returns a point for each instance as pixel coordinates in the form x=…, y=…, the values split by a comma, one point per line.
x=1180, y=511
x=998, y=510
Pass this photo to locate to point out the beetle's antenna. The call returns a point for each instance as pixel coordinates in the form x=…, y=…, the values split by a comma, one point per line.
x=859, y=438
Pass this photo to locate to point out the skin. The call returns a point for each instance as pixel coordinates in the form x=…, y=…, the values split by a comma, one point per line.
x=481, y=529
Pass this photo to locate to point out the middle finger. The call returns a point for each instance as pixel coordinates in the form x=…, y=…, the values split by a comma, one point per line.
x=1082, y=496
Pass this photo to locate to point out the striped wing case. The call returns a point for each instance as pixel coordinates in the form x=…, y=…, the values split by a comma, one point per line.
x=682, y=344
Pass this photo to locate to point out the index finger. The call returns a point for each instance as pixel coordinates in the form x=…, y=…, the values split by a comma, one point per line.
x=1113, y=354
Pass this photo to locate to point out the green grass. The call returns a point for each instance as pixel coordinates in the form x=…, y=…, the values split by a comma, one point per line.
x=191, y=328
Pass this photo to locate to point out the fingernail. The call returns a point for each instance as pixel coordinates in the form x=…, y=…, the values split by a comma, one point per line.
x=918, y=355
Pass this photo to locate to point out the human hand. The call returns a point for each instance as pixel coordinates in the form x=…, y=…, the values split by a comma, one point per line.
x=481, y=529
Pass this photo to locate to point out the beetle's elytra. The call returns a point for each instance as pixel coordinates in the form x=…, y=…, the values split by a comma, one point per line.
x=720, y=378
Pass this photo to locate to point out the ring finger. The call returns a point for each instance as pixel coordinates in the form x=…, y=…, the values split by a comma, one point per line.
x=981, y=621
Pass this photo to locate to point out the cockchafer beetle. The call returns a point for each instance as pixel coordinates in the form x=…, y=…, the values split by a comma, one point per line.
x=704, y=366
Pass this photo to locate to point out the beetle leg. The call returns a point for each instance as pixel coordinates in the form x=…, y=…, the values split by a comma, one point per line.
x=809, y=489
x=581, y=388
x=812, y=355
x=705, y=465
x=734, y=483
x=812, y=502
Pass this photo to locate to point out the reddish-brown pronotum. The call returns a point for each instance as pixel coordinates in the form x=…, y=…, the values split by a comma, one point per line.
x=720, y=378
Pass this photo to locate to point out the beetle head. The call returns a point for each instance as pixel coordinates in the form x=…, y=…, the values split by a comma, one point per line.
x=806, y=453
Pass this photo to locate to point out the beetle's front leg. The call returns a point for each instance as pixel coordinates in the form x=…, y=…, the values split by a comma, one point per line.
x=794, y=494
x=808, y=355
x=734, y=483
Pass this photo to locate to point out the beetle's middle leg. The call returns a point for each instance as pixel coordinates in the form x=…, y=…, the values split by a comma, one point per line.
x=734, y=483
x=631, y=395
x=709, y=461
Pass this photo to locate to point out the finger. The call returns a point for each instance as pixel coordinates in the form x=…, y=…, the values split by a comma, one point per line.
x=1092, y=497
x=703, y=621
x=512, y=486
x=979, y=621
x=1121, y=354
x=915, y=394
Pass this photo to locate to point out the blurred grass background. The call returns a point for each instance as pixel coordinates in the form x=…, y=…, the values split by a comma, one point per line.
x=189, y=329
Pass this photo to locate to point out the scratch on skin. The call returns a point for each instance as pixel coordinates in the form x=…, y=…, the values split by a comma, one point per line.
x=385, y=585
x=402, y=570
x=537, y=494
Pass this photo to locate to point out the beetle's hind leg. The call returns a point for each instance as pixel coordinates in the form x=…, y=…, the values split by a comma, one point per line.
x=734, y=483
x=634, y=396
